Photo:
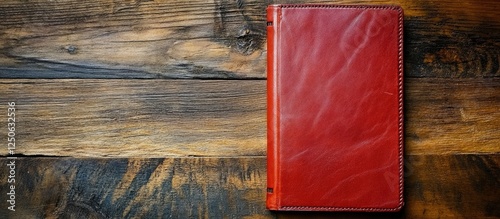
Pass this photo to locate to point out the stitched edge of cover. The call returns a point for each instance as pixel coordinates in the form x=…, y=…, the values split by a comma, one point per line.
x=400, y=89
x=401, y=120
x=381, y=7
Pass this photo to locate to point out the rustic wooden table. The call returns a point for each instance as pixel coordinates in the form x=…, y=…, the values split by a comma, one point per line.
x=147, y=109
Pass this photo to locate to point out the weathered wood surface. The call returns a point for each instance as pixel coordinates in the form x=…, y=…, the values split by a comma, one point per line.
x=217, y=39
x=452, y=116
x=158, y=118
x=137, y=188
x=196, y=148
x=137, y=118
x=458, y=186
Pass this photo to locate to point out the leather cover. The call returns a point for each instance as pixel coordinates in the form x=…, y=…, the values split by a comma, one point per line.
x=335, y=108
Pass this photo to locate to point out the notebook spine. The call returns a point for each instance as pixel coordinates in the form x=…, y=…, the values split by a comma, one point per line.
x=272, y=109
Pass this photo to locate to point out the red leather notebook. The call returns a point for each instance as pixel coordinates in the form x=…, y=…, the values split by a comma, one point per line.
x=335, y=108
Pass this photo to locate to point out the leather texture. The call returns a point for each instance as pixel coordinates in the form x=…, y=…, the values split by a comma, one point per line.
x=335, y=108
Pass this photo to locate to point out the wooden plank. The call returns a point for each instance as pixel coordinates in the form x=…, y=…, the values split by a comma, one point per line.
x=136, y=188
x=132, y=39
x=452, y=116
x=158, y=118
x=464, y=186
x=137, y=118
x=217, y=39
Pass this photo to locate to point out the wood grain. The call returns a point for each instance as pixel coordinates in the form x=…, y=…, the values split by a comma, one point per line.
x=218, y=39
x=452, y=116
x=137, y=188
x=158, y=118
x=132, y=39
x=137, y=118
x=458, y=186
x=196, y=148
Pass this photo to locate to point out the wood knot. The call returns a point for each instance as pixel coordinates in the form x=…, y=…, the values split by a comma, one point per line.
x=247, y=41
x=71, y=49
x=234, y=27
